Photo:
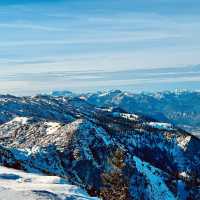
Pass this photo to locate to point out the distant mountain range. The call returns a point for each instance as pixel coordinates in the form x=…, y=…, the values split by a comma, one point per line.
x=105, y=150
x=180, y=107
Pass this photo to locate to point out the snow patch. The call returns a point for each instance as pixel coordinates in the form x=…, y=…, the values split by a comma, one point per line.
x=183, y=141
x=21, y=120
x=184, y=175
x=15, y=184
x=52, y=127
x=105, y=109
x=129, y=116
x=83, y=98
x=161, y=126
x=103, y=94
x=157, y=187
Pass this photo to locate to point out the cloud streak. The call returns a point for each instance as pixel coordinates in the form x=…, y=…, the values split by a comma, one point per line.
x=29, y=27
x=98, y=35
x=133, y=80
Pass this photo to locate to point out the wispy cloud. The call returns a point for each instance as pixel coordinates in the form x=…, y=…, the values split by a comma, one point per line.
x=51, y=36
x=29, y=27
x=139, y=37
x=28, y=83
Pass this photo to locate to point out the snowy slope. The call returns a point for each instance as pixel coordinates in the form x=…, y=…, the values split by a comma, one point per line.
x=98, y=149
x=157, y=188
x=15, y=184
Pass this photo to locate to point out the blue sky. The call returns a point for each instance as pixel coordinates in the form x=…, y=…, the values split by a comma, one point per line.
x=50, y=36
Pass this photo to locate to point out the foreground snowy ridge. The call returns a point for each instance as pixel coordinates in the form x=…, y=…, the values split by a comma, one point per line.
x=15, y=184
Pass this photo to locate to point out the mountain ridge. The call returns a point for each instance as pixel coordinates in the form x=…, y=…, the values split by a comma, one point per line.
x=179, y=107
x=110, y=153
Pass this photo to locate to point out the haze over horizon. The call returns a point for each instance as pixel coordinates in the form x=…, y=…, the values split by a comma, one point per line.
x=81, y=45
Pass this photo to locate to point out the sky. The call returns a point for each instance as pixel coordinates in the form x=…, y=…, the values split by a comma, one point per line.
x=41, y=40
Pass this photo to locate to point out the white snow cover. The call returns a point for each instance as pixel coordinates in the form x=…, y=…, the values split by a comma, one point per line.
x=183, y=141
x=161, y=125
x=15, y=184
x=22, y=120
x=104, y=94
x=184, y=175
x=83, y=98
x=157, y=187
x=52, y=127
x=105, y=109
x=129, y=116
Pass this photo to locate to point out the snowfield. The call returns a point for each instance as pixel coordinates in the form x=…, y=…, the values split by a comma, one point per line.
x=22, y=120
x=19, y=185
x=157, y=189
x=161, y=126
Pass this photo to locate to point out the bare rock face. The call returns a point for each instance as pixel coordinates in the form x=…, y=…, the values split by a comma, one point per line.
x=110, y=153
